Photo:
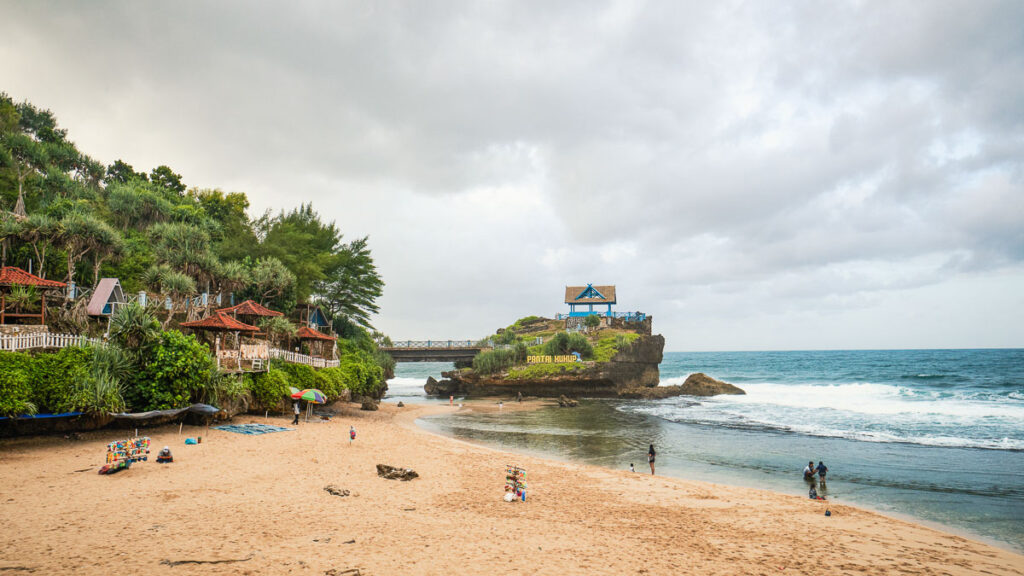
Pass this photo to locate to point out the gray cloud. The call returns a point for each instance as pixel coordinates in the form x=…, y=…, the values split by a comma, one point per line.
x=813, y=165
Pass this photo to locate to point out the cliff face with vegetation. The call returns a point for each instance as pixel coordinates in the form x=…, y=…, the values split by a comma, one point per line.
x=616, y=362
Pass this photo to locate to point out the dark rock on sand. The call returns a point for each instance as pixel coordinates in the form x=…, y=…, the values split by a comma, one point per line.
x=400, y=404
x=566, y=402
x=369, y=404
x=392, y=473
x=700, y=384
x=335, y=491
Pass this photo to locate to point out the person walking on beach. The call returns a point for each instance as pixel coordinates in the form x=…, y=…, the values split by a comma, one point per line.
x=519, y=396
x=295, y=409
x=631, y=469
x=822, y=470
x=351, y=434
x=650, y=458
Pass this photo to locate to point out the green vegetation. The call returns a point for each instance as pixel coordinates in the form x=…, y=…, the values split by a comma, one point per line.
x=592, y=321
x=532, y=371
x=607, y=346
x=499, y=359
x=77, y=220
x=566, y=343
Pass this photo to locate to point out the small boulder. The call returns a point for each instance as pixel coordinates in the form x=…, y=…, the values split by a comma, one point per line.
x=700, y=384
x=335, y=491
x=393, y=473
x=566, y=402
x=369, y=404
x=400, y=404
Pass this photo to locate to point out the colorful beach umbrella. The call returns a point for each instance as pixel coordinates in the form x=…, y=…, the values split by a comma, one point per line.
x=292, y=391
x=311, y=395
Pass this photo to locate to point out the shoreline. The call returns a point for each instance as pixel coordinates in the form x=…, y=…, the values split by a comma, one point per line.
x=481, y=404
x=256, y=504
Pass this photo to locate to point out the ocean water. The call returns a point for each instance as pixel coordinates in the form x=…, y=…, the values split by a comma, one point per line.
x=933, y=435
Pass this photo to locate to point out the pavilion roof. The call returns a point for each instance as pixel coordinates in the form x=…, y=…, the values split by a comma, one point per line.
x=307, y=333
x=220, y=321
x=251, y=308
x=593, y=294
x=13, y=276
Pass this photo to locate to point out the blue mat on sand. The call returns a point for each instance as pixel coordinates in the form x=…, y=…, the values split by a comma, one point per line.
x=252, y=429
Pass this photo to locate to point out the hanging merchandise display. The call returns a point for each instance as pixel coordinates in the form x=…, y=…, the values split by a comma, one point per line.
x=515, y=483
x=123, y=453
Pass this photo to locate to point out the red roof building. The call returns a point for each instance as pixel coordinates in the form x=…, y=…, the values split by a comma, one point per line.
x=220, y=321
x=251, y=308
x=307, y=333
x=13, y=276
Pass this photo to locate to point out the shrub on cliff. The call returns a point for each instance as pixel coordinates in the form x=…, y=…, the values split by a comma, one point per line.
x=500, y=359
x=14, y=393
x=564, y=343
x=172, y=369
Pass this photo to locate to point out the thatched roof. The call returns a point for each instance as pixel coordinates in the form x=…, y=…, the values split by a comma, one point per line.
x=13, y=276
x=220, y=321
x=307, y=333
x=251, y=308
x=573, y=293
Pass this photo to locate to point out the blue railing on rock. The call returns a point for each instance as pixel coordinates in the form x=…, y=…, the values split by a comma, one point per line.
x=627, y=316
x=435, y=344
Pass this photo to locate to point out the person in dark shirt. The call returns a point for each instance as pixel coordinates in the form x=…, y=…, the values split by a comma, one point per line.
x=822, y=470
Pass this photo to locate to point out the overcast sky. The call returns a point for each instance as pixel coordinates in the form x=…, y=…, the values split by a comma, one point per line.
x=759, y=175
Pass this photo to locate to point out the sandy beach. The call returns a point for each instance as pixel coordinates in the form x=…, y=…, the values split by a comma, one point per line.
x=239, y=504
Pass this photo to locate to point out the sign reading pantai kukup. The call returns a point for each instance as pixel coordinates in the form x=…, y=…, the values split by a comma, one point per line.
x=551, y=359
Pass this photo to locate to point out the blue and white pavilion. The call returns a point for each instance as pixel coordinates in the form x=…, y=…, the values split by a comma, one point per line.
x=583, y=299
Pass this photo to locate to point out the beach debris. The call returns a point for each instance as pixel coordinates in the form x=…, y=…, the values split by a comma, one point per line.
x=335, y=491
x=349, y=572
x=369, y=404
x=566, y=402
x=393, y=473
x=229, y=561
x=352, y=541
x=73, y=436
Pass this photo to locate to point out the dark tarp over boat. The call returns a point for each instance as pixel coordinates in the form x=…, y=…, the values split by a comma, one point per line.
x=79, y=422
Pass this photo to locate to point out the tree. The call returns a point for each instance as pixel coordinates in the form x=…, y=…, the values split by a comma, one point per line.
x=304, y=244
x=592, y=321
x=134, y=204
x=234, y=238
x=121, y=172
x=83, y=233
x=273, y=282
x=39, y=231
x=355, y=285
x=165, y=180
x=185, y=247
x=170, y=283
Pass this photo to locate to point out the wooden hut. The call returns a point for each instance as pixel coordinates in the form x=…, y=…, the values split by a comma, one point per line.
x=250, y=310
x=320, y=345
x=582, y=299
x=256, y=353
x=10, y=277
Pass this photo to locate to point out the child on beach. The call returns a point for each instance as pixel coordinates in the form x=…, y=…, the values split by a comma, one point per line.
x=650, y=458
x=822, y=470
x=631, y=469
x=351, y=434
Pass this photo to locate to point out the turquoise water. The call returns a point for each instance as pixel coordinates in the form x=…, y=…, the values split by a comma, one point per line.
x=934, y=435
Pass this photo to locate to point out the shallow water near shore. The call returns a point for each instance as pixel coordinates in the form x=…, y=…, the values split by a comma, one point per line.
x=932, y=435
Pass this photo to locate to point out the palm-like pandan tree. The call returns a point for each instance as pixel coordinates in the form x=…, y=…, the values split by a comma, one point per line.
x=232, y=276
x=135, y=205
x=82, y=233
x=39, y=231
x=278, y=329
x=10, y=227
x=133, y=328
x=169, y=282
x=22, y=298
x=106, y=246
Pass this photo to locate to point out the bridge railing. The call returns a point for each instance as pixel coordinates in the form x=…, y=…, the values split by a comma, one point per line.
x=627, y=316
x=436, y=344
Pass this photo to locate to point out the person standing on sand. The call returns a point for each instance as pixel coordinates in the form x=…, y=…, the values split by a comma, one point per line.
x=351, y=435
x=519, y=396
x=295, y=408
x=650, y=458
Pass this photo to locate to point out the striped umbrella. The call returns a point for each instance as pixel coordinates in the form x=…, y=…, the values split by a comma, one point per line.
x=310, y=395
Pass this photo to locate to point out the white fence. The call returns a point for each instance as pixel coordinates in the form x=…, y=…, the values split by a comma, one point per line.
x=15, y=342
x=12, y=342
x=296, y=358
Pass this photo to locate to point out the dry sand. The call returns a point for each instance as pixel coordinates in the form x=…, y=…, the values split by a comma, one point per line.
x=256, y=505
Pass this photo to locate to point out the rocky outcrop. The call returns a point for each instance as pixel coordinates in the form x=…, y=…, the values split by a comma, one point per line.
x=700, y=384
x=634, y=366
x=369, y=404
x=393, y=473
x=566, y=402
